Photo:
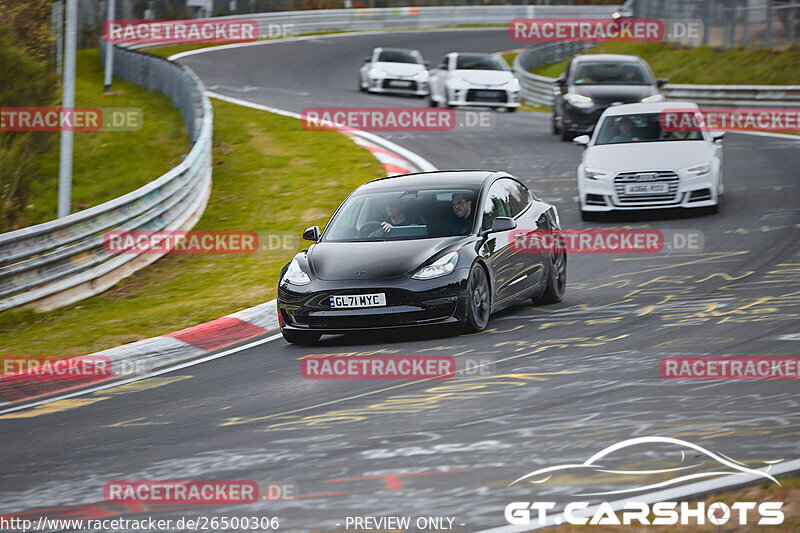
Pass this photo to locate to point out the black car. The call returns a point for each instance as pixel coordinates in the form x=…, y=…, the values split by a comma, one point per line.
x=593, y=82
x=420, y=249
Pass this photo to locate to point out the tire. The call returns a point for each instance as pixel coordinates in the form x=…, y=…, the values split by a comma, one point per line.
x=556, y=280
x=361, y=86
x=302, y=338
x=479, y=303
x=511, y=110
x=553, y=125
x=566, y=134
x=432, y=102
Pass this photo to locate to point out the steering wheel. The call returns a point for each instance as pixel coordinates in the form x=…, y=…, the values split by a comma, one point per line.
x=368, y=228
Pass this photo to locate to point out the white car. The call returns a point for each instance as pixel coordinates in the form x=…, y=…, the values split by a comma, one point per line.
x=394, y=70
x=634, y=161
x=482, y=80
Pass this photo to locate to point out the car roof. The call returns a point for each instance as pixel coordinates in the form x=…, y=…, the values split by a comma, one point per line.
x=622, y=58
x=656, y=107
x=384, y=49
x=442, y=178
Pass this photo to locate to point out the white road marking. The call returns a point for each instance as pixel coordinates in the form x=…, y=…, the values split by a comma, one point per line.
x=144, y=376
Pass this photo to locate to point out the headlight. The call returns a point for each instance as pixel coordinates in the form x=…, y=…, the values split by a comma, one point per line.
x=442, y=266
x=578, y=100
x=653, y=98
x=422, y=75
x=696, y=170
x=596, y=173
x=512, y=84
x=376, y=72
x=295, y=275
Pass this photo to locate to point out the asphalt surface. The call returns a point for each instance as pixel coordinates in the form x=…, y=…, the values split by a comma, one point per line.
x=567, y=380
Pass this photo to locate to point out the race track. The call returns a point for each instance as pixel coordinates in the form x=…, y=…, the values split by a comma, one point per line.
x=567, y=380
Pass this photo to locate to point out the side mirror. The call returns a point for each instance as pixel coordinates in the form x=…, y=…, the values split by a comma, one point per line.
x=367, y=59
x=503, y=224
x=582, y=140
x=561, y=82
x=311, y=234
x=427, y=65
x=717, y=135
x=660, y=82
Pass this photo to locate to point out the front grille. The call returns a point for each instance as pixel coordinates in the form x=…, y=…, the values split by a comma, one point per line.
x=391, y=84
x=595, y=199
x=663, y=176
x=351, y=321
x=700, y=195
x=486, y=95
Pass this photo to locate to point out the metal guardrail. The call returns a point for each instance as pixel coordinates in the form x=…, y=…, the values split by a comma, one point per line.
x=62, y=261
x=321, y=20
x=540, y=89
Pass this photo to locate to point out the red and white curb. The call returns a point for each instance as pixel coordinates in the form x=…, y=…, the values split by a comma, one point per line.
x=142, y=357
x=395, y=158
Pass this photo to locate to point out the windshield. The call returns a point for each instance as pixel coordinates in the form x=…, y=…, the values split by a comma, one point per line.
x=403, y=214
x=398, y=56
x=596, y=73
x=640, y=128
x=479, y=62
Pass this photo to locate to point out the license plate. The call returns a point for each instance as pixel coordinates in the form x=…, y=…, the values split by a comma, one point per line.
x=486, y=94
x=646, y=188
x=358, y=300
x=399, y=83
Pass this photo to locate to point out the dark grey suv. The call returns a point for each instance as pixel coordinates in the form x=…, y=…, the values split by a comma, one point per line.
x=593, y=82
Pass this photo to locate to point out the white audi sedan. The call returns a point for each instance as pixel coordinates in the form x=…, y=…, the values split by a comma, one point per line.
x=639, y=158
x=394, y=70
x=482, y=80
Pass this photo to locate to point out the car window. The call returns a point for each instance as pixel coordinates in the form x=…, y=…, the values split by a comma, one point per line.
x=479, y=62
x=398, y=56
x=518, y=198
x=412, y=214
x=610, y=73
x=645, y=127
x=497, y=202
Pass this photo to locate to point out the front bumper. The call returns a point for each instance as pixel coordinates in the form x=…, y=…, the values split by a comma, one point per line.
x=608, y=194
x=482, y=97
x=579, y=120
x=409, y=303
x=386, y=85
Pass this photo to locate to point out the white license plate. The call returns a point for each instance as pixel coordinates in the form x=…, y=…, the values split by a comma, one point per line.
x=359, y=300
x=399, y=83
x=486, y=94
x=646, y=188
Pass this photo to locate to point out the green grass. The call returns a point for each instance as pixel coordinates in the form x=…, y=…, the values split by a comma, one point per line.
x=705, y=65
x=107, y=164
x=270, y=175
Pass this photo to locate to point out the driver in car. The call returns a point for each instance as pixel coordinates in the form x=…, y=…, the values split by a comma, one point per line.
x=397, y=216
x=461, y=221
x=625, y=126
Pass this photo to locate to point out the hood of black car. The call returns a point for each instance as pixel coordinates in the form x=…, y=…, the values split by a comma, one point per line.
x=606, y=94
x=335, y=261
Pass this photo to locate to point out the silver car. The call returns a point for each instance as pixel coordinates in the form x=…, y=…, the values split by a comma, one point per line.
x=482, y=80
x=394, y=70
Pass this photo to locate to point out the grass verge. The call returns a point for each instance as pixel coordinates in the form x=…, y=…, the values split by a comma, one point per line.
x=788, y=493
x=108, y=164
x=270, y=175
x=705, y=65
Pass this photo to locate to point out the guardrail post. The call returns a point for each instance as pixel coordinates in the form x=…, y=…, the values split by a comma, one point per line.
x=768, y=32
x=109, y=52
x=68, y=102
